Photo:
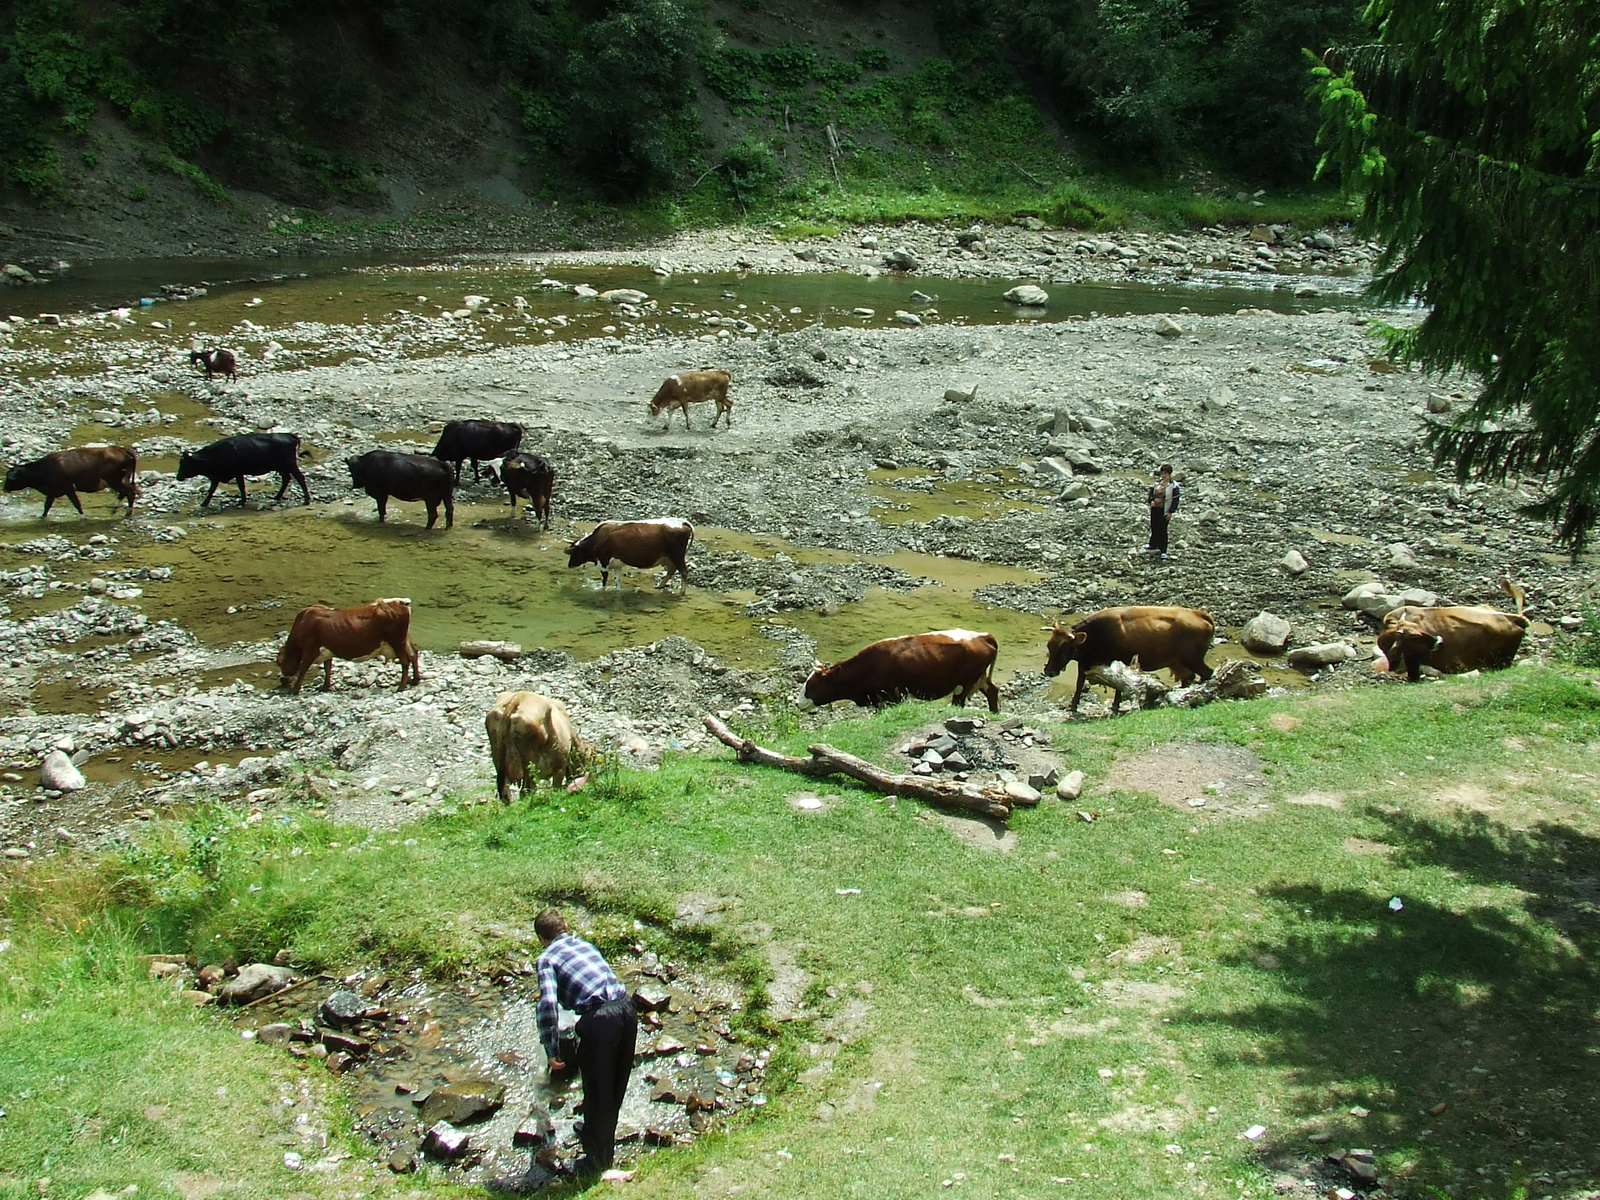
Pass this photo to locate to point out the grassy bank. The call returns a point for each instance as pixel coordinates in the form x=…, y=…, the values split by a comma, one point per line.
x=1102, y=1011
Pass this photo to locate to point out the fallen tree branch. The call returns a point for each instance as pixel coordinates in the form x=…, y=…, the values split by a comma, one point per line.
x=827, y=760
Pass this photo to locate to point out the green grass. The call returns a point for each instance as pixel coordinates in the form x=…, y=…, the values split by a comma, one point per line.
x=1158, y=978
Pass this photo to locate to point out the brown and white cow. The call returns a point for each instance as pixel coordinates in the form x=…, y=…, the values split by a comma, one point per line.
x=1452, y=639
x=928, y=666
x=88, y=468
x=1155, y=636
x=531, y=738
x=692, y=387
x=321, y=634
x=642, y=544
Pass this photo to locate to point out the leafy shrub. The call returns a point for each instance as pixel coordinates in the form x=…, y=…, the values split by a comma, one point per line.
x=873, y=58
x=754, y=171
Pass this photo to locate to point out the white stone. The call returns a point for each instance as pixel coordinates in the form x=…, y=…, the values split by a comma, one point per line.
x=1294, y=563
x=1029, y=294
x=1168, y=328
x=1265, y=633
x=1071, y=785
x=58, y=773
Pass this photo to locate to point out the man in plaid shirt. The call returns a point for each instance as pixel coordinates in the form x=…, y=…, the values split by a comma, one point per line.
x=574, y=975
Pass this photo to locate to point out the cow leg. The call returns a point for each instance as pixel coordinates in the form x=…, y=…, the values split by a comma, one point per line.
x=685, y=417
x=244, y=497
x=449, y=512
x=605, y=574
x=433, y=512
x=992, y=694
x=1202, y=670
x=210, y=492
x=1077, y=692
x=383, y=508
x=283, y=486
x=76, y=503
x=327, y=674
x=300, y=478
x=476, y=478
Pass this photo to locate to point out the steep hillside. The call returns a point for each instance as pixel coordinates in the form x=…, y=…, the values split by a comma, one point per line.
x=173, y=126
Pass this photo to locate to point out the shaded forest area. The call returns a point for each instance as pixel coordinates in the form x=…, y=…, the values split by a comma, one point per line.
x=614, y=100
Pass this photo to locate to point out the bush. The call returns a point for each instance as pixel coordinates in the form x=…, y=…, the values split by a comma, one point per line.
x=754, y=171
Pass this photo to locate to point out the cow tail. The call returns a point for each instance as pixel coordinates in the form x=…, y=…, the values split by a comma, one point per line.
x=1516, y=593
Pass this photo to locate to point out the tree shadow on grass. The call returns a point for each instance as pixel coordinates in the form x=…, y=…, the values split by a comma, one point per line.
x=1469, y=1028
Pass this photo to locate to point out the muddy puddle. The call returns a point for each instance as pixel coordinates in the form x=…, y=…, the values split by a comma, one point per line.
x=465, y=1060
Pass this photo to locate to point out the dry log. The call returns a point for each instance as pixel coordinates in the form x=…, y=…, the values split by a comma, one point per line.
x=827, y=760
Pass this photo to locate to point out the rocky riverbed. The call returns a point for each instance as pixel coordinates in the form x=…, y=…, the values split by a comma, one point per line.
x=875, y=481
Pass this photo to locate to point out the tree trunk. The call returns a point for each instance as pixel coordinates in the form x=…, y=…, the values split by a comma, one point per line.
x=826, y=760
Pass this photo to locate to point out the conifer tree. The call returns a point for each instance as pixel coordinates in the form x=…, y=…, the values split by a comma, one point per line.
x=1471, y=129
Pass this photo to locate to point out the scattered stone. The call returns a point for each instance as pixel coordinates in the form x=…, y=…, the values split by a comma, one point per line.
x=537, y=1130
x=1077, y=490
x=1168, y=328
x=962, y=724
x=254, y=982
x=907, y=318
x=1294, y=563
x=1265, y=633
x=1021, y=793
x=957, y=396
x=344, y=1043
x=1438, y=404
x=342, y=1009
x=165, y=970
x=1401, y=558
x=444, y=1141
x=462, y=1103
x=1323, y=654
x=624, y=296
x=58, y=773
x=1263, y=234
x=277, y=1033
x=1028, y=294
x=403, y=1158
x=508, y=651
x=1071, y=785
x=901, y=259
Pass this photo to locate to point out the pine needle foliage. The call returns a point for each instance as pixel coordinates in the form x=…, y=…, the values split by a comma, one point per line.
x=1472, y=130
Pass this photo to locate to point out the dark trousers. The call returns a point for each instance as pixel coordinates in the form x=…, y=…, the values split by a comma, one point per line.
x=1158, y=530
x=605, y=1056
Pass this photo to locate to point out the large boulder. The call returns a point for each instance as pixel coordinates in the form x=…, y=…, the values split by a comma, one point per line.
x=58, y=773
x=624, y=296
x=1168, y=328
x=254, y=982
x=1371, y=598
x=1401, y=558
x=1324, y=654
x=901, y=259
x=1265, y=633
x=1028, y=294
x=1294, y=564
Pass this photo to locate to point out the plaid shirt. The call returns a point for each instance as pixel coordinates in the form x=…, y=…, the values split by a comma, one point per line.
x=573, y=975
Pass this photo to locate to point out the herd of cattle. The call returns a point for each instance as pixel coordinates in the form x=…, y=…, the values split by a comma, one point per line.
x=531, y=736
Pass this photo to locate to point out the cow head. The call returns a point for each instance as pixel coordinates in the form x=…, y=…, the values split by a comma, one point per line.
x=188, y=466
x=17, y=478
x=582, y=550
x=1064, y=647
x=356, y=466
x=819, y=688
x=1407, y=646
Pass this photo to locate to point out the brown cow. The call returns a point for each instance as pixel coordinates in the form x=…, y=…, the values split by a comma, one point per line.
x=321, y=634
x=1452, y=639
x=531, y=738
x=1156, y=636
x=929, y=666
x=692, y=387
x=531, y=476
x=642, y=544
x=216, y=362
x=88, y=468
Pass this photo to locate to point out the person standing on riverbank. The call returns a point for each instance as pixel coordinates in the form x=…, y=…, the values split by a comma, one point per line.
x=574, y=975
x=1164, y=496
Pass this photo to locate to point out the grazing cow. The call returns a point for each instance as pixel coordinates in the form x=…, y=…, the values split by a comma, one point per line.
x=1155, y=636
x=82, y=469
x=216, y=362
x=321, y=634
x=641, y=544
x=692, y=387
x=384, y=473
x=530, y=476
x=1452, y=639
x=233, y=458
x=477, y=440
x=929, y=666
x=531, y=738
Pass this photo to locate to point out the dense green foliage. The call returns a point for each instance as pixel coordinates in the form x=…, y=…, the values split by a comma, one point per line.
x=288, y=96
x=1476, y=139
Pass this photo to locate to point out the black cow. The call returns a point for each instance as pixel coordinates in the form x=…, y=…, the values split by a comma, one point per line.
x=233, y=458
x=478, y=440
x=384, y=473
x=531, y=476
